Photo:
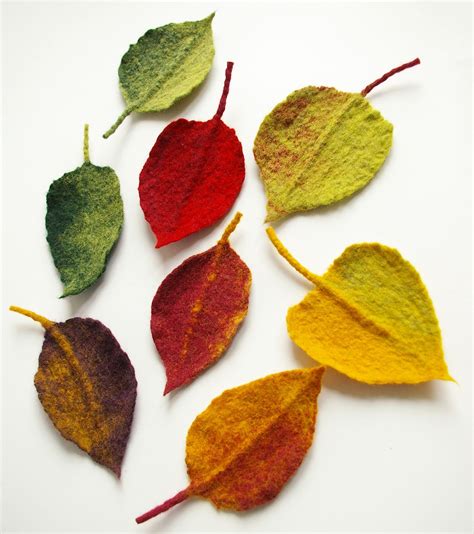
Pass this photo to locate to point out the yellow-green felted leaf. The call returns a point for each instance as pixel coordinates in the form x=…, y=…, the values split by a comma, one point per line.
x=83, y=220
x=319, y=146
x=165, y=65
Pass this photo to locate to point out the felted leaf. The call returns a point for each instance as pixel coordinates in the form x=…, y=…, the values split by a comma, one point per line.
x=319, y=146
x=83, y=220
x=165, y=65
x=192, y=176
x=198, y=308
x=369, y=316
x=86, y=384
x=247, y=444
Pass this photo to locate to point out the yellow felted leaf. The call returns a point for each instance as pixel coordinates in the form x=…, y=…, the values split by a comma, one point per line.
x=370, y=317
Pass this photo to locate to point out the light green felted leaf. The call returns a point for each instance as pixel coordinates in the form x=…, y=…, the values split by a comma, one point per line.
x=165, y=65
x=83, y=220
x=317, y=147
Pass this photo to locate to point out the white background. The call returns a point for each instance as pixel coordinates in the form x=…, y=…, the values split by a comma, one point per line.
x=384, y=458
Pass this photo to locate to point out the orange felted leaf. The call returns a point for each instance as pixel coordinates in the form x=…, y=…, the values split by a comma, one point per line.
x=369, y=316
x=247, y=444
x=86, y=384
x=198, y=308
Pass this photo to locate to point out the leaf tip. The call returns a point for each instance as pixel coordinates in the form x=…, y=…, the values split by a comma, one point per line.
x=319, y=370
x=449, y=378
x=68, y=291
x=272, y=215
x=315, y=374
x=168, y=388
x=117, y=470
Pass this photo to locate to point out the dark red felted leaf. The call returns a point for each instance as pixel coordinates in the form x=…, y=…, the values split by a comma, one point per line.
x=198, y=309
x=86, y=384
x=192, y=176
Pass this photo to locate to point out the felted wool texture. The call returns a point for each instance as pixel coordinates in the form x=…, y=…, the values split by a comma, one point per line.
x=165, y=65
x=317, y=147
x=84, y=219
x=193, y=175
x=198, y=309
x=86, y=384
x=370, y=317
x=249, y=442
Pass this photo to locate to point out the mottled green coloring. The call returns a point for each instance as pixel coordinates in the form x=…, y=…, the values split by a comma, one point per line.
x=317, y=147
x=83, y=220
x=165, y=65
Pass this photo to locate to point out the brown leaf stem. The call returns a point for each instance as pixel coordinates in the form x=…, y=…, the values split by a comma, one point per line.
x=388, y=74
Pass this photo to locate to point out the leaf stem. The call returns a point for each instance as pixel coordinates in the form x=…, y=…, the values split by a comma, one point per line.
x=179, y=497
x=86, y=143
x=388, y=74
x=314, y=278
x=117, y=123
x=230, y=228
x=45, y=323
x=225, y=90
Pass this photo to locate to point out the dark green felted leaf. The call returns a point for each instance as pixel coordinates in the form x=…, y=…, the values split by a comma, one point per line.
x=165, y=65
x=83, y=220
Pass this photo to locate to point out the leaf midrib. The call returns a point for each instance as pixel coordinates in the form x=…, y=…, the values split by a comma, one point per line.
x=317, y=147
x=167, y=74
x=363, y=317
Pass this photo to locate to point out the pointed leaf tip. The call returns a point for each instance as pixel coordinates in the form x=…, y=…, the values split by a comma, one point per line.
x=168, y=388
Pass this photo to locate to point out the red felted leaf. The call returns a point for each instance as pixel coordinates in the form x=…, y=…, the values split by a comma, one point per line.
x=198, y=309
x=192, y=176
